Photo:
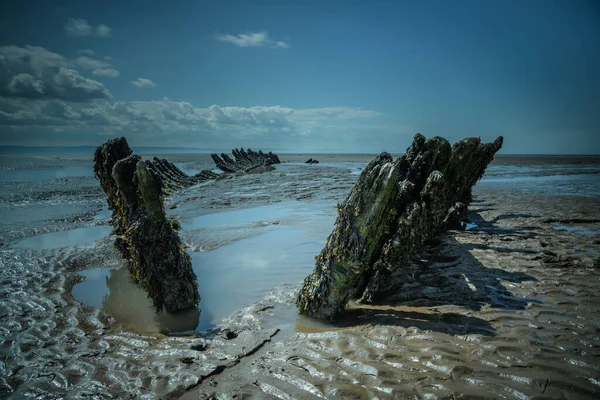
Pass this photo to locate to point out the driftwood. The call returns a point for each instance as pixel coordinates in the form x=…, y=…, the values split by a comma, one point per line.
x=145, y=237
x=395, y=206
x=245, y=160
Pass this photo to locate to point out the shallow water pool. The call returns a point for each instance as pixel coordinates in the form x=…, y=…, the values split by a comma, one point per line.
x=72, y=237
x=229, y=278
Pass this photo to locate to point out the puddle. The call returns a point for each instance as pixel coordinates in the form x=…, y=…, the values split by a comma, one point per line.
x=265, y=215
x=590, y=251
x=73, y=237
x=237, y=275
x=354, y=168
x=28, y=213
x=229, y=278
x=115, y=292
x=36, y=175
x=103, y=214
x=580, y=230
x=239, y=217
x=469, y=225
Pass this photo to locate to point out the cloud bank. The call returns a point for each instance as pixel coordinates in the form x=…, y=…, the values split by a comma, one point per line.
x=36, y=73
x=45, y=100
x=179, y=123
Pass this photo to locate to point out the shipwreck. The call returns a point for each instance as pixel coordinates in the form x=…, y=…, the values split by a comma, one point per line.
x=146, y=238
x=393, y=209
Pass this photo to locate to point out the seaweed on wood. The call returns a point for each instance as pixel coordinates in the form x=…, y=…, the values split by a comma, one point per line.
x=145, y=237
x=395, y=206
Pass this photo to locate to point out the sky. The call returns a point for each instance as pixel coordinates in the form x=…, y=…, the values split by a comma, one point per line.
x=301, y=76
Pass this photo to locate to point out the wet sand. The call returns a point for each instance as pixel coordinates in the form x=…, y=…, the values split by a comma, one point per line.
x=508, y=308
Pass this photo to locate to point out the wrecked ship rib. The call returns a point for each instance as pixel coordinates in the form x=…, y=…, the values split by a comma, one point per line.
x=244, y=160
x=173, y=178
x=395, y=206
x=145, y=237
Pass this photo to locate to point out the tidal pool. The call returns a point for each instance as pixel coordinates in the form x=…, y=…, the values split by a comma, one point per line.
x=41, y=212
x=72, y=237
x=579, y=230
x=36, y=175
x=229, y=278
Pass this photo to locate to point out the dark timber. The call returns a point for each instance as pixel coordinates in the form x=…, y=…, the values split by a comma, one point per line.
x=395, y=206
x=245, y=160
x=145, y=237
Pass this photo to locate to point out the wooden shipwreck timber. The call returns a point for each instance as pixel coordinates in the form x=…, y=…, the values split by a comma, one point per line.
x=245, y=160
x=173, y=178
x=393, y=209
x=395, y=206
x=146, y=238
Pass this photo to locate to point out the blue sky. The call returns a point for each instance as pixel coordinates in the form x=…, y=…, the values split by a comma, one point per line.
x=347, y=76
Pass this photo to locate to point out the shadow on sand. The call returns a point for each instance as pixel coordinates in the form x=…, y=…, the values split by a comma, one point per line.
x=446, y=273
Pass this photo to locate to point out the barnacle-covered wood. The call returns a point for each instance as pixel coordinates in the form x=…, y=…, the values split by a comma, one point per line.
x=244, y=160
x=395, y=206
x=145, y=237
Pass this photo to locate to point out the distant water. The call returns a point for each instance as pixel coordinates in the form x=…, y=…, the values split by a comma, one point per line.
x=550, y=175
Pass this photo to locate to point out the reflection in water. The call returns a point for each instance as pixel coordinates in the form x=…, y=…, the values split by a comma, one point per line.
x=115, y=292
x=73, y=237
x=240, y=217
x=229, y=278
x=234, y=276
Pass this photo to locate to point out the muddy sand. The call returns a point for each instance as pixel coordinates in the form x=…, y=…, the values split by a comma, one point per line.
x=508, y=308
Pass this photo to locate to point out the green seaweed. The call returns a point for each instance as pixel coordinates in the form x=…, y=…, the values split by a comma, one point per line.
x=145, y=236
x=392, y=210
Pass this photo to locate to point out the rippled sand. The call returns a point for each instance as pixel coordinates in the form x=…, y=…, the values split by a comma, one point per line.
x=507, y=309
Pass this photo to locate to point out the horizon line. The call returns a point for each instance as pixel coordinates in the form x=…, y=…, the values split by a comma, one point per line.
x=203, y=150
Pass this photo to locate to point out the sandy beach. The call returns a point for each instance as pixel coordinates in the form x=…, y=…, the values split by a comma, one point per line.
x=507, y=308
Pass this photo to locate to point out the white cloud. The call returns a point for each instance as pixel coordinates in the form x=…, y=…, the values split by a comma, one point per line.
x=143, y=83
x=98, y=67
x=319, y=114
x=91, y=63
x=103, y=31
x=181, y=123
x=87, y=52
x=280, y=44
x=36, y=73
x=250, y=39
x=80, y=27
x=107, y=72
